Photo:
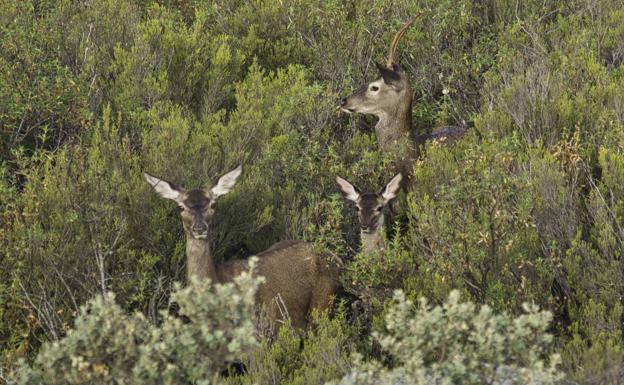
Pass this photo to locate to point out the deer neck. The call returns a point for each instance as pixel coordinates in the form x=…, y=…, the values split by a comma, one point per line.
x=394, y=132
x=374, y=241
x=199, y=260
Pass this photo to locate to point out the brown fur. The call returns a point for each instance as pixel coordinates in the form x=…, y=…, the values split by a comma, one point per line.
x=370, y=211
x=298, y=279
x=390, y=99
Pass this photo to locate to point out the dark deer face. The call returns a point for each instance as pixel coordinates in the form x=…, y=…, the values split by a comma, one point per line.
x=196, y=205
x=381, y=97
x=370, y=205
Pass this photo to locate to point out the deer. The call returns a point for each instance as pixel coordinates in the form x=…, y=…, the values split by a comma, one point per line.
x=370, y=207
x=370, y=211
x=390, y=99
x=298, y=279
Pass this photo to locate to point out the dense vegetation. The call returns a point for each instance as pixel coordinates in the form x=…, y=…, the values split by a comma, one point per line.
x=528, y=207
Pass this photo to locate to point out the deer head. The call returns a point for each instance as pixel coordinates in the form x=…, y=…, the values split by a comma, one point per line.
x=381, y=97
x=370, y=205
x=387, y=95
x=196, y=206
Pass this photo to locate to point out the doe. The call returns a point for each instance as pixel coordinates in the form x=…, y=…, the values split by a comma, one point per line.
x=370, y=211
x=297, y=277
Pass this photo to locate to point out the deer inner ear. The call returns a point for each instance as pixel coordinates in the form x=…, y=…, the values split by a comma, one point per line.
x=389, y=76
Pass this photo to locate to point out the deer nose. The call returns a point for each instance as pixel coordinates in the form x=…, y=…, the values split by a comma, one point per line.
x=198, y=228
x=365, y=228
x=343, y=101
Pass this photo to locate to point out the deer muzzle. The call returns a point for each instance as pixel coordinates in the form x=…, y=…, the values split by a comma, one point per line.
x=199, y=231
x=344, y=108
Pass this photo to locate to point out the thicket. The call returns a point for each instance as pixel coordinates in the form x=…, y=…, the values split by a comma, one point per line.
x=457, y=344
x=213, y=325
x=527, y=208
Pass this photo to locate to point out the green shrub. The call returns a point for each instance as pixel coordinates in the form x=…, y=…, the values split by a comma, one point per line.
x=108, y=346
x=43, y=101
x=456, y=343
x=526, y=207
x=293, y=358
x=594, y=268
x=470, y=227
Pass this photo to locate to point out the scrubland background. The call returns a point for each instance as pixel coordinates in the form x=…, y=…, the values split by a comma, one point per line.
x=527, y=207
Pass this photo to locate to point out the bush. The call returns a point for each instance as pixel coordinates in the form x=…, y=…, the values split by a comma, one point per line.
x=108, y=346
x=293, y=358
x=527, y=207
x=456, y=343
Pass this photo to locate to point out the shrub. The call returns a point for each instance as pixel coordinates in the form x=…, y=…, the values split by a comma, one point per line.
x=593, y=264
x=108, y=346
x=295, y=358
x=526, y=207
x=456, y=343
x=471, y=227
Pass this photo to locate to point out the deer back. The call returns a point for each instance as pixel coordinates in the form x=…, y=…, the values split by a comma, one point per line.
x=297, y=279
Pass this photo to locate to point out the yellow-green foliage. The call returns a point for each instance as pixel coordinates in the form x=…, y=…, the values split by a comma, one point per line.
x=456, y=343
x=108, y=346
x=527, y=207
x=320, y=356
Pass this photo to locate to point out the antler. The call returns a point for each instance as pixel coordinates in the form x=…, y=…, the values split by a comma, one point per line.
x=397, y=38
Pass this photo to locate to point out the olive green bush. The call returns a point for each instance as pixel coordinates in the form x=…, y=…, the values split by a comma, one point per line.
x=109, y=346
x=456, y=343
x=527, y=207
x=473, y=225
x=323, y=354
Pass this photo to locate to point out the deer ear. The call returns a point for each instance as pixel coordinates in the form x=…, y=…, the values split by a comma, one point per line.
x=349, y=192
x=392, y=188
x=389, y=76
x=227, y=182
x=163, y=188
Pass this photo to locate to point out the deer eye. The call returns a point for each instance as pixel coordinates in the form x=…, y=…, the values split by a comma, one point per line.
x=378, y=209
x=374, y=88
